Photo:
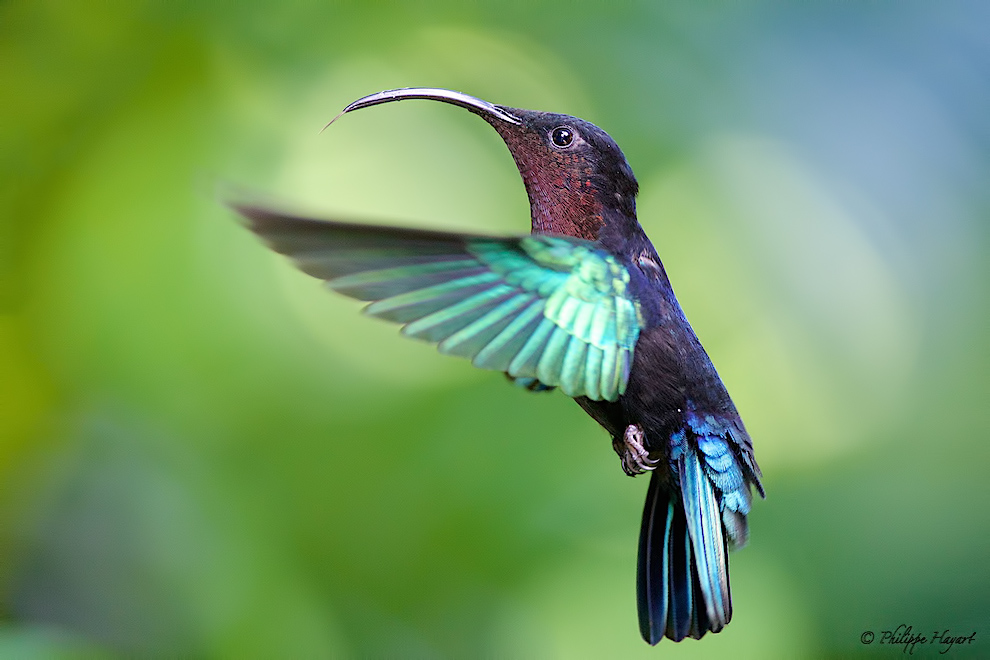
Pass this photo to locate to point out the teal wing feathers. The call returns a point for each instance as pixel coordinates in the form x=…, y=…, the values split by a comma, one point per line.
x=549, y=308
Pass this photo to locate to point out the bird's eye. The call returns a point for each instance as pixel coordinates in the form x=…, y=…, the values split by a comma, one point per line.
x=562, y=136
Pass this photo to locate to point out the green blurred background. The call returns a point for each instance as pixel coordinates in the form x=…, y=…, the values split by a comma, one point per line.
x=203, y=453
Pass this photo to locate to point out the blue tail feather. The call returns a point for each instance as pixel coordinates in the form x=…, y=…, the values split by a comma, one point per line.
x=683, y=576
x=704, y=523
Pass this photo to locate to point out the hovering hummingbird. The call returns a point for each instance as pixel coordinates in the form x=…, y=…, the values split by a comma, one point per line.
x=582, y=304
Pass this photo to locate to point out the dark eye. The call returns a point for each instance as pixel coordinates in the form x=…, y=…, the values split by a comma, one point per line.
x=562, y=136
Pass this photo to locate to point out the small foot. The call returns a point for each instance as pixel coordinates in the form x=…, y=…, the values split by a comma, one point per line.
x=635, y=458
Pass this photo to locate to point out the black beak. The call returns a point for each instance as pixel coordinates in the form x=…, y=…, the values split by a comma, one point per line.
x=483, y=108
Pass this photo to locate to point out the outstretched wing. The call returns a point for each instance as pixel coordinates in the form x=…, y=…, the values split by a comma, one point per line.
x=546, y=307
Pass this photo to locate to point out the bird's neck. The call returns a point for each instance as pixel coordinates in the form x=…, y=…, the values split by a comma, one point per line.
x=561, y=201
x=582, y=218
x=577, y=209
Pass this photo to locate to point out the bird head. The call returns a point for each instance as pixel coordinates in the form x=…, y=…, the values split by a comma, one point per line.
x=575, y=175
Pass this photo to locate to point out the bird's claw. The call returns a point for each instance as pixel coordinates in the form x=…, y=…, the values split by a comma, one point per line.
x=635, y=458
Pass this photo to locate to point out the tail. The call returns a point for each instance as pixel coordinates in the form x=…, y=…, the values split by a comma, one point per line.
x=683, y=574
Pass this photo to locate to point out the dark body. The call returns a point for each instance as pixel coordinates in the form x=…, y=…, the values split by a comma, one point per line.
x=584, y=305
x=675, y=395
x=671, y=373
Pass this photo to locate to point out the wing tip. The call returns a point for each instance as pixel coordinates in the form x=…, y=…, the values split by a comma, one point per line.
x=268, y=221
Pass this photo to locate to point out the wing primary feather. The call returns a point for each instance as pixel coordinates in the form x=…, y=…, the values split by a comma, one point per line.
x=388, y=282
x=500, y=351
x=441, y=324
x=572, y=369
x=459, y=287
x=549, y=367
x=609, y=357
x=413, y=310
x=470, y=339
x=593, y=372
x=525, y=361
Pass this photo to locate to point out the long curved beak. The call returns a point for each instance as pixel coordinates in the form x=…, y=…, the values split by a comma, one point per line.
x=475, y=105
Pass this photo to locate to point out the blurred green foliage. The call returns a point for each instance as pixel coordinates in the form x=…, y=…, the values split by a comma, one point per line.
x=203, y=453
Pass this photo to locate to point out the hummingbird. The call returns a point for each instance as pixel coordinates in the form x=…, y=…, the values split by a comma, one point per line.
x=581, y=304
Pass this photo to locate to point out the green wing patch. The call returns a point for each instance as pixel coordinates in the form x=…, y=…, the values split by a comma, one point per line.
x=546, y=307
